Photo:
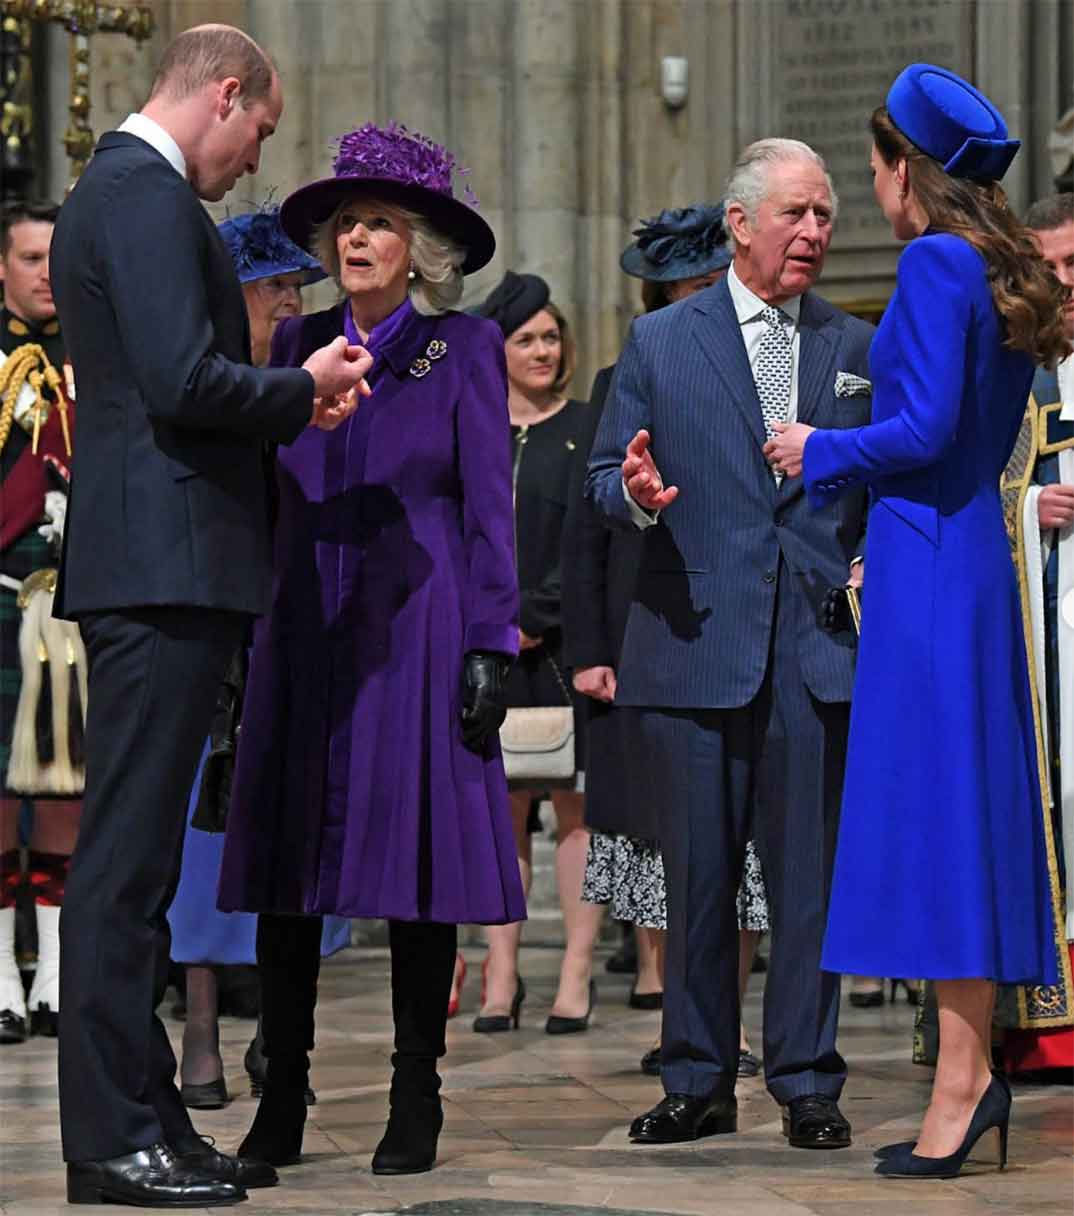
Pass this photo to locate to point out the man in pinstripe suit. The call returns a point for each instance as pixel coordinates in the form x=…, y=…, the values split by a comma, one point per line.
x=741, y=699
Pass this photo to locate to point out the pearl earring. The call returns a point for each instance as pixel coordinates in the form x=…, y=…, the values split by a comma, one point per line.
x=412, y=274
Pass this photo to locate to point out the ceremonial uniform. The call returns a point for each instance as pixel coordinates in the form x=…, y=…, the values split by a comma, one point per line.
x=29, y=470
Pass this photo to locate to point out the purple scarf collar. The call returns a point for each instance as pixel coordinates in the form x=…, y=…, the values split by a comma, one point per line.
x=382, y=333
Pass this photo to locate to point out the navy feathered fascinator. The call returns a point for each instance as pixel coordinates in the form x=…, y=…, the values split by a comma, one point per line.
x=679, y=243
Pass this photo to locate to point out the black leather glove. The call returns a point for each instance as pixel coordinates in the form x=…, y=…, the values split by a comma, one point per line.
x=835, y=613
x=484, y=687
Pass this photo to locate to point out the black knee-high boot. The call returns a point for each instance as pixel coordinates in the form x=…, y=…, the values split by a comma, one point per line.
x=423, y=963
x=288, y=962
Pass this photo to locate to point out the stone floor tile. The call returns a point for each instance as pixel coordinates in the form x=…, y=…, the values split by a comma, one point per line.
x=532, y=1120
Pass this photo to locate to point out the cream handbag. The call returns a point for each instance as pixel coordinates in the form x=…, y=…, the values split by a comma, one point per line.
x=538, y=742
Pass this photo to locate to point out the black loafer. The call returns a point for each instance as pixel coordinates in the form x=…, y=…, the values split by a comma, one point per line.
x=650, y=1062
x=815, y=1121
x=12, y=1027
x=212, y=1095
x=683, y=1117
x=150, y=1178
x=245, y=1172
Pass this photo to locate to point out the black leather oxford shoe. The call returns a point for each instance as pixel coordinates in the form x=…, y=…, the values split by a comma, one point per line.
x=12, y=1027
x=684, y=1117
x=153, y=1177
x=815, y=1121
x=246, y=1172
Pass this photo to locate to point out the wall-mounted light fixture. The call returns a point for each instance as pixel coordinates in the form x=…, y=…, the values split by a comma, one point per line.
x=674, y=80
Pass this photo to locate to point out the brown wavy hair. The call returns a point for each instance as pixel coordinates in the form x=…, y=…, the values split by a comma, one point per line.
x=568, y=357
x=1026, y=292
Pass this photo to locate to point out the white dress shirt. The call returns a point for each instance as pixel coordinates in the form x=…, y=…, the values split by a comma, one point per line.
x=157, y=138
x=749, y=309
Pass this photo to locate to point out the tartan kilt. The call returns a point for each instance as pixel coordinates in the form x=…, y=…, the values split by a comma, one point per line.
x=29, y=553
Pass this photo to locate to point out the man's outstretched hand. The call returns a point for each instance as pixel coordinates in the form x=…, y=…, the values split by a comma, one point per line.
x=338, y=372
x=642, y=478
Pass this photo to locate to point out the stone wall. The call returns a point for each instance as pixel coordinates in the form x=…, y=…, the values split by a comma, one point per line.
x=556, y=107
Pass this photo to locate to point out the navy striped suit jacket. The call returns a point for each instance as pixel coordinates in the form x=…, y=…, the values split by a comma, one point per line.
x=699, y=629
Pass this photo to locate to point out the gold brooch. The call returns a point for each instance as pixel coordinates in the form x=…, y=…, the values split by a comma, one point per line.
x=420, y=367
x=436, y=349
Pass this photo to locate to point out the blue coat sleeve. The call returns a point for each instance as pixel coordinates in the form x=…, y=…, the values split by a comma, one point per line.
x=931, y=314
x=627, y=411
x=483, y=436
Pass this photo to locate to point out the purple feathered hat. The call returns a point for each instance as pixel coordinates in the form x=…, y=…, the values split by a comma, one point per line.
x=401, y=167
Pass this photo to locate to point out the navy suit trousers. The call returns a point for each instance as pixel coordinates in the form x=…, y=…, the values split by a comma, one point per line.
x=153, y=679
x=773, y=770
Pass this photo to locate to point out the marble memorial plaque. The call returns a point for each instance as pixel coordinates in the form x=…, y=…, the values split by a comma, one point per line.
x=834, y=61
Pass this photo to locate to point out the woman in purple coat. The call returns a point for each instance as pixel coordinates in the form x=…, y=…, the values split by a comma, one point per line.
x=368, y=780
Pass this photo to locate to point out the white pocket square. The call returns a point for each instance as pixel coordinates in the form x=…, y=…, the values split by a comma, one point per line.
x=849, y=385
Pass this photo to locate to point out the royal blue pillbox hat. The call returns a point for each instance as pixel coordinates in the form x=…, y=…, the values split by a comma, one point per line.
x=952, y=121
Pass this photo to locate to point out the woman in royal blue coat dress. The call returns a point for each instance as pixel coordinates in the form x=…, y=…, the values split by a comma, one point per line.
x=941, y=870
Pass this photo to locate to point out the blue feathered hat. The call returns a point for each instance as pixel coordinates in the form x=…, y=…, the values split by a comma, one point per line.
x=260, y=248
x=952, y=121
x=679, y=243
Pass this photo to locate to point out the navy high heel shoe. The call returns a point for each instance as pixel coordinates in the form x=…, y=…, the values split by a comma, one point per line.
x=993, y=1111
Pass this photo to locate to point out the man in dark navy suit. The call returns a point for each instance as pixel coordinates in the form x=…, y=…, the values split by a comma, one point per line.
x=166, y=559
x=742, y=699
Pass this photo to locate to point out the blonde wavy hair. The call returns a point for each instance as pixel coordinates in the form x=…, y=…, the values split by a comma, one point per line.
x=1026, y=293
x=437, y=259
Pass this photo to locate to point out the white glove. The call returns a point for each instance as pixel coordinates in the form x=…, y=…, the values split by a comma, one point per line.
x=56, y=513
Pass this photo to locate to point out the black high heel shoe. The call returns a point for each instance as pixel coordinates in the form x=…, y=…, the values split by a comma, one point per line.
x=256, y=1065
x=911, y=993
x=44, y=1021
x=494, y=1023
x=872, y=999
x=993, y=1111
x=561, y=1025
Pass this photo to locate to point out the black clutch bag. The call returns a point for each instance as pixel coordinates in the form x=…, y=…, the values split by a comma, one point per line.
x=841, y=610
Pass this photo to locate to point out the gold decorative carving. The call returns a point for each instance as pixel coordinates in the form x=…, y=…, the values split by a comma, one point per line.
x=81, y=19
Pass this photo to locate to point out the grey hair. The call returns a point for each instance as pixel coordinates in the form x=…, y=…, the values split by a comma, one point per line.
x=437, y=258
x=748, y=183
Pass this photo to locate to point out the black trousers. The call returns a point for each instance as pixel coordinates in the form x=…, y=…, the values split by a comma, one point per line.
x=153, y=679
x=773, y=770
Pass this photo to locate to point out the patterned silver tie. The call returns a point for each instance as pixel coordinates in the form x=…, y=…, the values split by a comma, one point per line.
x=772, y=372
